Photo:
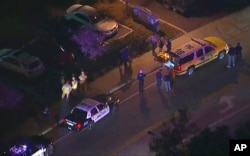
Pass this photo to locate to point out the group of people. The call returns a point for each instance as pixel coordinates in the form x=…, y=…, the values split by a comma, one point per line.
x=167, y=77
x=234, y=55
x=156, y=40
x=74, y=85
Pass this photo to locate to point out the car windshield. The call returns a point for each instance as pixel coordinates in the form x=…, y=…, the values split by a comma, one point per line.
x=174, y=58
x=95, y=18
x=79, y=113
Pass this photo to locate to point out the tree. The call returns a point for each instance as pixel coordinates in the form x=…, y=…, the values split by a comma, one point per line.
x=170, y=140
x=210, y=143
x=243, y=132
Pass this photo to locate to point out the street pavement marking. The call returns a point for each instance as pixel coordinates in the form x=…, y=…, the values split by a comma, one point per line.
x=131, y=96
x=136, y=93
x=130, y=31
x=64, y=136
x=228, y=101
x=228, y=116
x=139, y=135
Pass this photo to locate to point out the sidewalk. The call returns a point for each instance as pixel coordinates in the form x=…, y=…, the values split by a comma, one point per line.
x=232, y=28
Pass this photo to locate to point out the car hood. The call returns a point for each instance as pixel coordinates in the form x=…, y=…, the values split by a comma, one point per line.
x=106, y=25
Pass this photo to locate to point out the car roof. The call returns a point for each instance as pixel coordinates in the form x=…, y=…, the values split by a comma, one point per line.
x=87, y=104
x=84, y=9
x=191, y=46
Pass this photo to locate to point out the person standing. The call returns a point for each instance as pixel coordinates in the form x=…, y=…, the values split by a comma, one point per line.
x=82, y=81
x=238, y=51
x=231, y=57
x=66, y=89
x=140, y=78
x=153, y=40
x=169, y=46
x=74, y=85
x=125, y=56
x=161, y=43
x=158, y=76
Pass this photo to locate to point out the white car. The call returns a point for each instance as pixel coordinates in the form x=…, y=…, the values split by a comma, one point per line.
x=21, y=62
x=89, y=16
x=85, y=114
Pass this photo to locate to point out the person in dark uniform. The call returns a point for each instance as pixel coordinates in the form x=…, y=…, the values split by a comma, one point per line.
x=168, y=45
x=238, y=51
x=231, y=56
x=125, y=56
x=158, y=76
x=140, y=78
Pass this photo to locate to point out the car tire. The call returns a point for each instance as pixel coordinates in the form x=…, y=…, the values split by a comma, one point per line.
x=221, y=55
x=190, y=70
x=91, y=124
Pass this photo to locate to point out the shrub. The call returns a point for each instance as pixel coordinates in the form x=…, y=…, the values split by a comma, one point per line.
x=90, y=43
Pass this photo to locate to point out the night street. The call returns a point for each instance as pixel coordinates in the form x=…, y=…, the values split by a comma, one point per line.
x=213, y=95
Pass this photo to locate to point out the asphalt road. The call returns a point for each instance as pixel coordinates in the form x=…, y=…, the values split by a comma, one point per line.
x=186, y=23
x=140, y=111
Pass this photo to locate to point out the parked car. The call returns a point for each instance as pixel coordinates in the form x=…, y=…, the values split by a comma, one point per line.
x=89, y=16
x=196, y=53
x=37, y=145
x=22, y=62
x=90, y=111
x=146, y=17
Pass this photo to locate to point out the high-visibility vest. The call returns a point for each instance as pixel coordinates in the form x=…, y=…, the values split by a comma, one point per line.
x=74, y=84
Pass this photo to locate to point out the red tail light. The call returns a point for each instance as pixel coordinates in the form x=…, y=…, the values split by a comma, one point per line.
x=78, y=125
x=178, y=67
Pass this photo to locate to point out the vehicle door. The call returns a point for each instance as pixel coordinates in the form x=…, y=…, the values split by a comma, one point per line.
x=200, y=57
x=94, y=114
x=103, y=110
x=209, y=53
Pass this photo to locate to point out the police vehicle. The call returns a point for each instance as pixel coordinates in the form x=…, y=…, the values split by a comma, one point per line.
x=29, y=146
x=90, y=111
x=195, y=53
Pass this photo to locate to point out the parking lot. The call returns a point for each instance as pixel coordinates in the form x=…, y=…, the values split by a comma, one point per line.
x=123, y=31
